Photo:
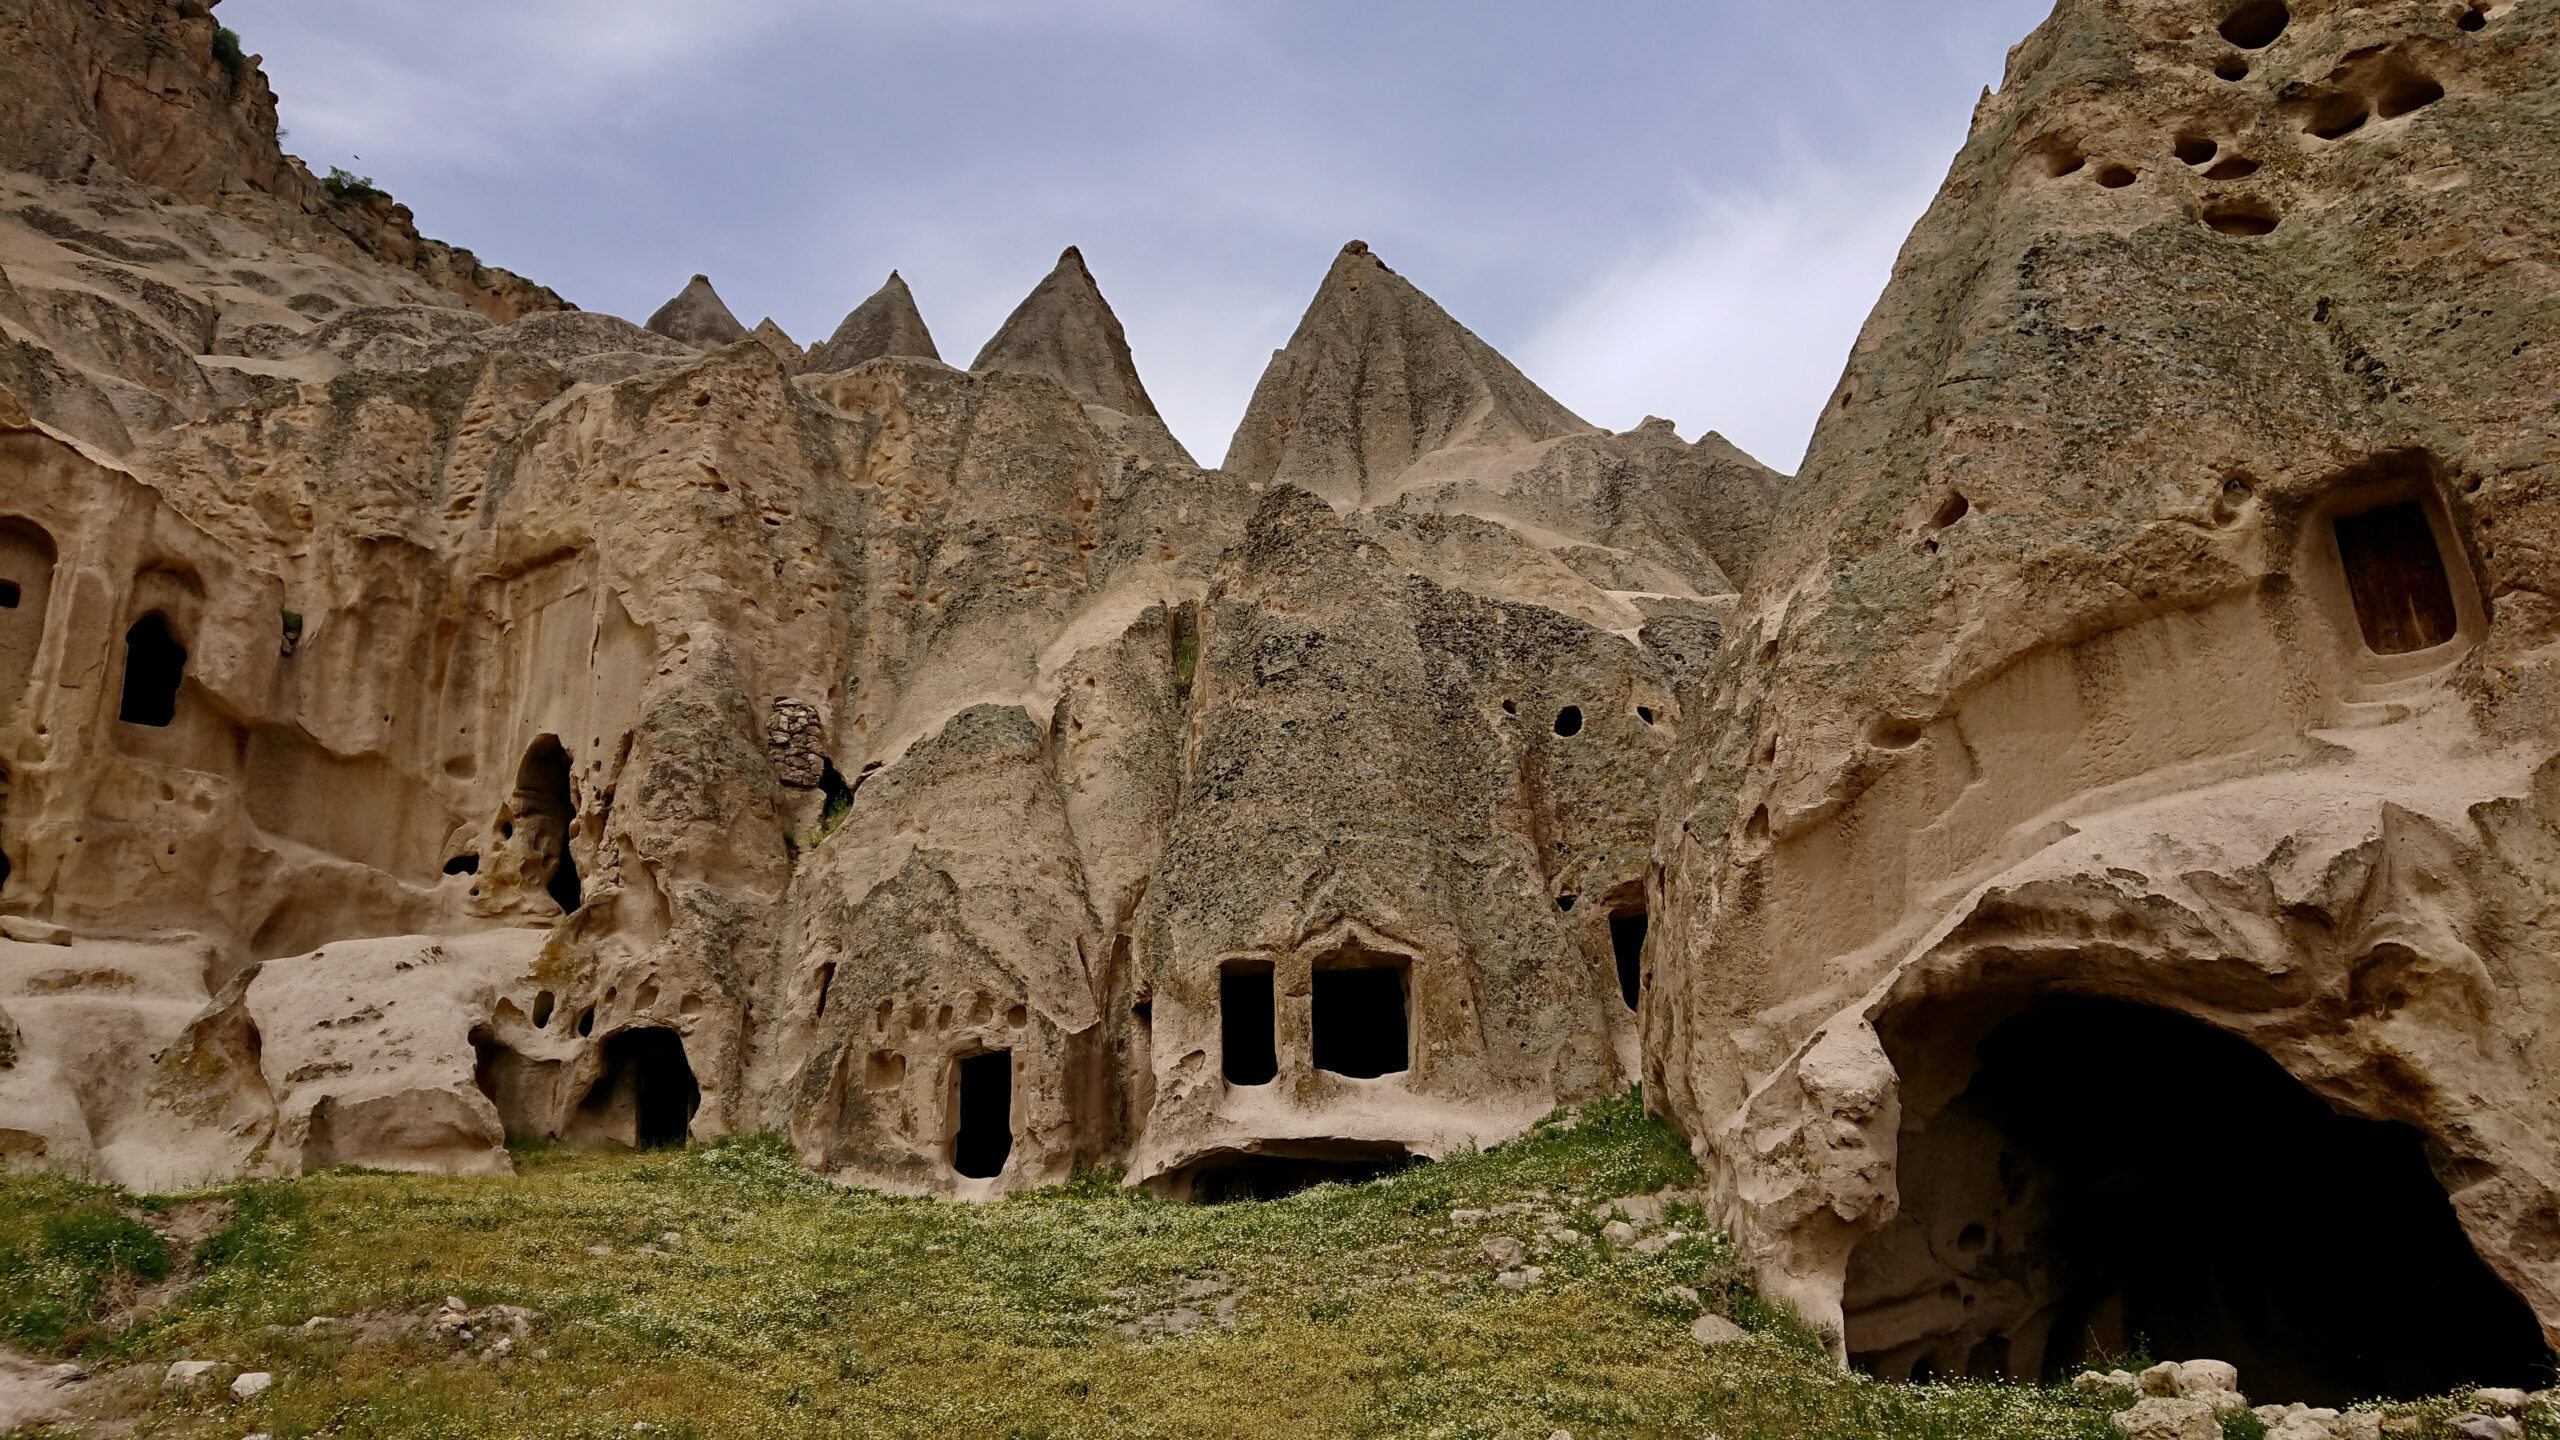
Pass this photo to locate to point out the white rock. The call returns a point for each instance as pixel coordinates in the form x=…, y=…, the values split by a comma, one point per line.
x=1502, y=1252
x=251, y=1384
x=1620, y=1233
x=1715, y=1330
x=1680, y=1295
x=2486, y=1427
x=2168, y=1417
x=2118, y=1384
x=33, y=931
x=2160, y=1379
x=2199, y=1378
x=2497, y=1401
x=190, y=1372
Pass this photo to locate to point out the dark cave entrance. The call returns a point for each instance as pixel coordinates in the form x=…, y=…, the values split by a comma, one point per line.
x=2396, y=577
x=1248, y=1053
x=645, y=1069
x=1267, y=1175
x=1626, y=941
x=1358, y=1018
x=154, y=663
x=984, y=1139
x=2112, y=1174
x=545, y=807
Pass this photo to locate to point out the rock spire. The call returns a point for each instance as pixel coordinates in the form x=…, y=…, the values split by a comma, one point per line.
x=1066, y=331
x=1377, y=377
x=697, y=317
x=886, y=324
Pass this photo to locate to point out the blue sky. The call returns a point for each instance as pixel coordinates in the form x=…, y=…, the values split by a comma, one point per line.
x=1680, y=209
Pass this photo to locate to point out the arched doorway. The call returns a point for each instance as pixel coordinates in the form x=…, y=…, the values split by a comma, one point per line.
x=647, y=1094
x=543, y=813
x=2085, y=1176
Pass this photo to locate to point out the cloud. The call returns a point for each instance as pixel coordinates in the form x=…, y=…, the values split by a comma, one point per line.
x=1741, y=317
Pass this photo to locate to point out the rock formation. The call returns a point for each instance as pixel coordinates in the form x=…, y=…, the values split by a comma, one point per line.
x=2150, y=677
x=697, y=317
x=432, y=727
x=2074, y=862
x=886, y=324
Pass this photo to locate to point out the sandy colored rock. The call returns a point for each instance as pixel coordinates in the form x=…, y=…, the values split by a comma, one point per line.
x=886, y=324
x=698, y=317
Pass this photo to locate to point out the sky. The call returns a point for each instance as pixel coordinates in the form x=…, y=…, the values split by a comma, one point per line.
x=1682, y=208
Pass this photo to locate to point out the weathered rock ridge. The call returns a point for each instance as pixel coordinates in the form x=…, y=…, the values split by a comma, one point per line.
x=2075, y=856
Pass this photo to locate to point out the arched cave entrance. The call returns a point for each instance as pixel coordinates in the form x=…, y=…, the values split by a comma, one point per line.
x=546, y=812
x=154, y=663
x=647, y=1090
x=2105, y=1175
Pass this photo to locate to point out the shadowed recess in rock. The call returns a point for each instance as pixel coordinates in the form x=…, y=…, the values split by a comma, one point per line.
x=1626, y=942
x=2115, y=1176
x=647, y=1091
x=1359, y=1019
x=1229, y=1175
x=1248, y=1052
x=2396, y=576
x=984, y=1105
x=154, y=663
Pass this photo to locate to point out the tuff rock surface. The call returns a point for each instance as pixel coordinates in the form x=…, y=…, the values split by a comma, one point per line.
x=436, y=716
x=435, y=722
x=2164, y=614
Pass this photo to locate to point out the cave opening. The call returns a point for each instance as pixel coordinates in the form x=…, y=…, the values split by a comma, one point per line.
x=1248, y=1052
x=983, y=1140
x=2112, y=1177
x=1626, y=941
x=1268, y=1175
x=154, y=663
x=2396, y=577
x=545, y=807
x=1359, y=1018
x=647, y=1077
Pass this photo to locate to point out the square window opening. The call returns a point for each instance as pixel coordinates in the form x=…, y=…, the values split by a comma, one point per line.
x=1360, y=1020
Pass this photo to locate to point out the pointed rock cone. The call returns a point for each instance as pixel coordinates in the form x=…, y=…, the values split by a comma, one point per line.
x=697, y=317
x=1066, y=331
x=1377, y=377
x=885, y=324
x=771, y=336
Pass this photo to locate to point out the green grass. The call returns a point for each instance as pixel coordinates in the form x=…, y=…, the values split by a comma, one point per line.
x=792, y=1307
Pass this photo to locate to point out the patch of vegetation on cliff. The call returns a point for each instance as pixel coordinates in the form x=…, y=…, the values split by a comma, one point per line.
x=722, y=1291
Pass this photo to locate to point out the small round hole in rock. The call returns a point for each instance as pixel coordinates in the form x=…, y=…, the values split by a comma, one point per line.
x=2256, y=25
x=1565, y=902
x=1645, y=713
x=542, y=1010
x=2059, y=162
x=2473, y=20
x=1892, y=732
x=2115, y=177
x=1510, y=707
x=2231, y=67
x=2239, y=220
x=2238, y=167
x=2194, y=149
x=1569, y=720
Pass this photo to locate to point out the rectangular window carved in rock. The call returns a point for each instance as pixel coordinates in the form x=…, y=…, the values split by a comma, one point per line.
x=1246, y=1018
x=984, y=1139
x=1359, y=1020
x=2396, y=576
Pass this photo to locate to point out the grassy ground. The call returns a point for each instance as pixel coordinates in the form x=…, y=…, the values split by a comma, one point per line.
x=720, y=1291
